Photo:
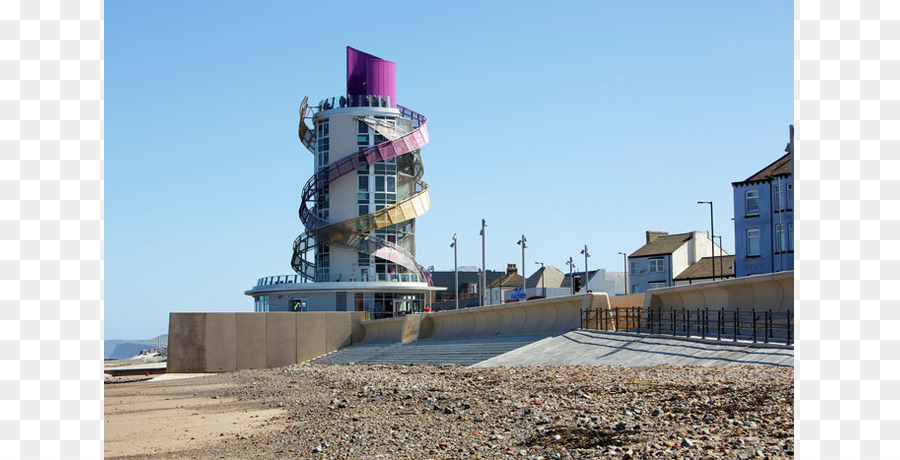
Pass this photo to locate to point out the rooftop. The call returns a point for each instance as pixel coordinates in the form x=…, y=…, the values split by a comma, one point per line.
x=662, y=244
x=703, y=268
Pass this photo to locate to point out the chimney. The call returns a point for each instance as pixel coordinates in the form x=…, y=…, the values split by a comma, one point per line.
x=511, y=269
x=651, y=235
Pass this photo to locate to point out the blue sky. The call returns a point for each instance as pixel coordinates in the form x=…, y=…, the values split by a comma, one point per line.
x=574, y=123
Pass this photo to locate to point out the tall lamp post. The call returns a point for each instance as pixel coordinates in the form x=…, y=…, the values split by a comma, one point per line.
x=483, y=270
x=571, y=264
x=522, y=243
x=625, y=266
x=721, y=258
x=711, y=233
x=586, y=277
x=455, y=271
x=543, y=289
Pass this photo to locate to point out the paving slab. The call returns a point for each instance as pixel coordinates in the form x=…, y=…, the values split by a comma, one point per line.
x=602, y=348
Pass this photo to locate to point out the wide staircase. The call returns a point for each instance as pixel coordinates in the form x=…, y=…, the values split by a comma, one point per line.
x=463, y=352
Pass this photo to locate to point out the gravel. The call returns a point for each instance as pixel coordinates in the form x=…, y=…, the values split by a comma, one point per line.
x=549, y=412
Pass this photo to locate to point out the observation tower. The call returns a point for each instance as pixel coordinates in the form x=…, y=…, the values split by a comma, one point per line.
x=359, y=208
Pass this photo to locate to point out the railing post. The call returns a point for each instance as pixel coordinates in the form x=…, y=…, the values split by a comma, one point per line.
x=789, y=328
x=768, y=331
x=617, y=318
x=736, y=328
x=719, y=323
x=753, y=310
x=674, y=317
x=702, y=323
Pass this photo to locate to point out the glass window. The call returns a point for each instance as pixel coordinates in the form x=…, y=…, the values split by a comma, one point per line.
x=752, y=202
x=790, y=236
x=779, y=238
x=634, y=268
x=392, y=184
x=657, y=284
x=656, y=265
x=363, y=210
x=363, y=183
x=779, y=202
x=753, y=242
x=362, y=127
x=790, y=196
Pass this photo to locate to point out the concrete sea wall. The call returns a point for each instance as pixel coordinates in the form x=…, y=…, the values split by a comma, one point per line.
x=221, y=342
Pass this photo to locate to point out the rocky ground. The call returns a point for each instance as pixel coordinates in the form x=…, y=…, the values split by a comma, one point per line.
x=317, y=411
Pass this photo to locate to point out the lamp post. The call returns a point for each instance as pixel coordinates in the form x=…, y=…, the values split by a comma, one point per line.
x=522, y=243
x=571, y=265
x=625, y=266
x=543, y=289
x=586, y=277
x=711, y=233
x=455, y=271
x=483, y=270
x=721, y=259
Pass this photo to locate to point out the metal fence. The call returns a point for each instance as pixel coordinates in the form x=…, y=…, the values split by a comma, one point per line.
x=721, y=324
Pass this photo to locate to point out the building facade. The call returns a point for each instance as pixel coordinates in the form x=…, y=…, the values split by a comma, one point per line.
x=764, y=218
x=663, y=257
x=359, y=208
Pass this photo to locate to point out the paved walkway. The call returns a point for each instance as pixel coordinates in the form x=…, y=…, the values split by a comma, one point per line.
x=585, y=347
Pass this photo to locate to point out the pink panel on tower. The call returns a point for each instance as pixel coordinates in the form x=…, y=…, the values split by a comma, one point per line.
x=371, y=75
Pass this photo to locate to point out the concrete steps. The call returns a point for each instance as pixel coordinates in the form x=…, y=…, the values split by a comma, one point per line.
x=463, y=352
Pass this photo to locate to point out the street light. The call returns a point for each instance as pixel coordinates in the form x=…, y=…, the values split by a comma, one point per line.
x=587, y=283
x=543, y=289
x=455, y=271
x=483, y=270
x=625, y=266
x=711, y=233
x=571, y=265
x=522, y=243
x=721, y=258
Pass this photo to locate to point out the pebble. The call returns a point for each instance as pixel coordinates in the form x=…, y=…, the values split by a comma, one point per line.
x=543, y=412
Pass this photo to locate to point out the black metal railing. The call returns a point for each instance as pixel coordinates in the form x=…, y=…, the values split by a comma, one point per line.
x=775, y=326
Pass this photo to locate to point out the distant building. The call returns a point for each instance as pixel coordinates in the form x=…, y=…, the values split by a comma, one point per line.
x=501, y=290
x=601, y=280
x=468, y=285
x=663, y=257
x=702, y=270
x=764, y=218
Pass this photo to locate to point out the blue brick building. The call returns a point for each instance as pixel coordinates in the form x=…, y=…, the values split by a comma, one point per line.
x=764, y=218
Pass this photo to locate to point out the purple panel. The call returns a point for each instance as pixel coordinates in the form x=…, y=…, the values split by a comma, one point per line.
x=381, y=77
x=371, y=75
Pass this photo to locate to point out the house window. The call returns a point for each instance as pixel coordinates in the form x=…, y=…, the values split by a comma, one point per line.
x=779, y=238
x=790, y=236
x=753, y=242
x=779, y=201
x=752, y=202
x=790, y=196
x=657, y=284
x=656, y=265
x=634, y=268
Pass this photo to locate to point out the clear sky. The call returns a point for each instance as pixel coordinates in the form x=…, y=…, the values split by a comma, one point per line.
x=571, y=122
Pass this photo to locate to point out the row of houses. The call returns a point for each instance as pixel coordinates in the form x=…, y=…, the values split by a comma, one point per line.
x=763, y=235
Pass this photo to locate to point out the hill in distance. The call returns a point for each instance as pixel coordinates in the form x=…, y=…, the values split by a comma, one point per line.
x=123, y=349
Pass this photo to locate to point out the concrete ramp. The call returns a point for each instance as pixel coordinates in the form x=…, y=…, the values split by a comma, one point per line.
x=463, y=352
x=600, y=348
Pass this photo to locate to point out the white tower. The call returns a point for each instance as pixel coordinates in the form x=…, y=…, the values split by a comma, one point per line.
x=359, y=208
